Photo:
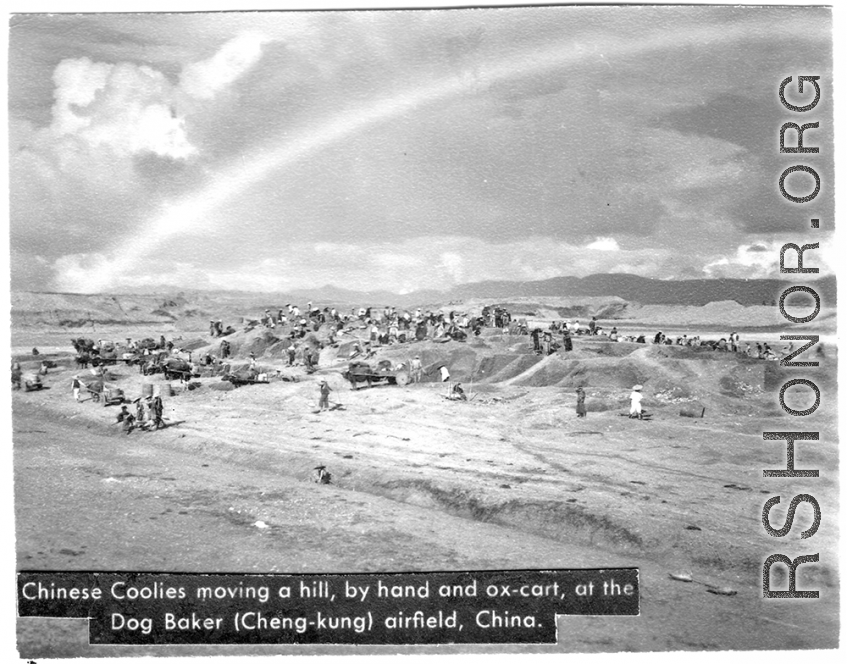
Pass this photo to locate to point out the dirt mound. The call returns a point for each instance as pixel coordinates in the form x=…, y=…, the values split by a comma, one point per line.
x=545, y=313
x=502, y=367
x=346, y=347
x=573, y=312
x=674, y=394
x=459, y=359
x=193, y=344
x=624, y=374
x=497, y=335
x=266, y=343
x=584, y=348
x=604, y=404
x=257, y=341
x=542, y=372
x=670, y=374
x=727, y=313
x=681, y=352
x=743, y=381
x=608, y=373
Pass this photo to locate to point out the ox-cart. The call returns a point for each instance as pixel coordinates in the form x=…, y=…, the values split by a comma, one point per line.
x=109, y=396
x=381, y=372
x=31, y=381
x=246, y=377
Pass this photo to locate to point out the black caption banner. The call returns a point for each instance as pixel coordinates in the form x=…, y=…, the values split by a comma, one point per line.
x=130, y=608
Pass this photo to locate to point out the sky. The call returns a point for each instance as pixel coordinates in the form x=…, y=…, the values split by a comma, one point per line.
x=407, y=150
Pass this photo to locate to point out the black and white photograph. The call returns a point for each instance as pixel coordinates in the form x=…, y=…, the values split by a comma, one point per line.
x=505, y=329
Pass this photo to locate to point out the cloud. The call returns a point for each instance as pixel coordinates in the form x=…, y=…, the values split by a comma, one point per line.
x=452, y=264
x=77, y=83
x=749, y=261
x=760, y=260
x=77, y=271
x=432, y=262
x=207, y=78
x=392, y=261
x=127, y=108
x=131, y=109
x=604, y=244
x=116, y=149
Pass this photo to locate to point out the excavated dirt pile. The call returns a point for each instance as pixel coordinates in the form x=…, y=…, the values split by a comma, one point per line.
x=671, y=375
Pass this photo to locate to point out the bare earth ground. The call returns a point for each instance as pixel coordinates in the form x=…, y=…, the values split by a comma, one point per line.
x=511, y=479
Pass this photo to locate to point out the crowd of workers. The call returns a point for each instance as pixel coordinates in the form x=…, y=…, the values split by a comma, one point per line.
x=149, y=415
x=149, y=355
x=382, y=327
x=548, y=341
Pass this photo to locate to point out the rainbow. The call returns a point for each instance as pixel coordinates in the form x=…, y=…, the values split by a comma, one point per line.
x=189, y=213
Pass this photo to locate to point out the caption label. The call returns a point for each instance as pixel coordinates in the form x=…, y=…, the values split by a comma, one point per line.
x=419, y=608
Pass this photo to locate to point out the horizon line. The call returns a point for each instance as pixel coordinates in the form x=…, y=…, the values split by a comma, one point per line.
x=153, y=290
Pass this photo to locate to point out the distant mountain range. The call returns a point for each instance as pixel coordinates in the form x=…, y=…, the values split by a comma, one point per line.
x=147, y=306
x=629, y=287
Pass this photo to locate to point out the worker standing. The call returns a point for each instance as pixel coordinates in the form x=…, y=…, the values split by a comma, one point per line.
x=156, y=411
x=536, y=346
x=566, y=340
x=416, y=367
x=126, y=420
x=76, y=385
x=635, y=402
x=580, y=402
x=139, y=413
x=323, y=404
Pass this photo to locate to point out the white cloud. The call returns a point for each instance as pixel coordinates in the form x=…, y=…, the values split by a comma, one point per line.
x=436, y=262
x=759, y=259
x=204, y=79
x=452, y=264
x=124, y=107
x=77, y=84
x=392, y=261
x=77, y=272
x=604, y=244
x=130, y=109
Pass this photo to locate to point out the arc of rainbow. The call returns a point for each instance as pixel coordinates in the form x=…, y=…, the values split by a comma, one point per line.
x=184, y=215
